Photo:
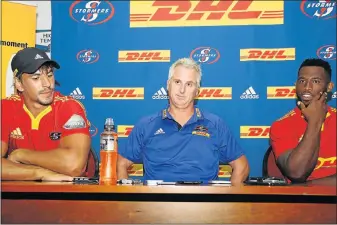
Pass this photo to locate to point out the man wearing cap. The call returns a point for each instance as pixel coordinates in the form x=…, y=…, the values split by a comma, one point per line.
x=44, y=135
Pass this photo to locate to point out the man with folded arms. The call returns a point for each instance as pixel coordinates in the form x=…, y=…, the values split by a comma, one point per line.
x=44, y=135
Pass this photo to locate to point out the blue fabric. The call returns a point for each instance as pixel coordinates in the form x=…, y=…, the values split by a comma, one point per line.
x=192, y=153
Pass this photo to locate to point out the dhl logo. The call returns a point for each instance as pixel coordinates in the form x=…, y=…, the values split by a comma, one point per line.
x=215, y=93
x=267, y=54
x=161, y=13
x=225, y=171
x=118, y=93
x=326, y=163
x=287, y=92
x=136, y=170
x=254, y=131
x=144, y=56
x=124, y=130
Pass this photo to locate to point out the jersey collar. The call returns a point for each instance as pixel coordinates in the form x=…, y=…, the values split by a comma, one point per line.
x=197, y=115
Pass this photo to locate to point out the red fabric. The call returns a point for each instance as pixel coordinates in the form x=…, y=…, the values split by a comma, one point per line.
x=286, y=133
x=17, y=129
x=91, y=165
x=273, y=170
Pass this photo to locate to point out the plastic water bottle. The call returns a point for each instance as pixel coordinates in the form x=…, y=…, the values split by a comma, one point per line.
x=108, y=153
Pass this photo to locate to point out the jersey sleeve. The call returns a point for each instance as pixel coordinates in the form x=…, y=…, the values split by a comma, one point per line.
x=281, y=138
x=229, y=148
x=132, y=150
x=5, y=120
x=73, y=118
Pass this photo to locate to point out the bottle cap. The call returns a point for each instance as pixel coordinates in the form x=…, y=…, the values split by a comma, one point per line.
x=109, y=121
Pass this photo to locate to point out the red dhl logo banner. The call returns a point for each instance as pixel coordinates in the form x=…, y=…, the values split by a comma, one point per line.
x=118, y=93
x=124, y=130
x=286, y=92
x=144, y=56
x=215, y=93
x=205, y=13
x=267, y=54
x=254, y=131
x=136, y=170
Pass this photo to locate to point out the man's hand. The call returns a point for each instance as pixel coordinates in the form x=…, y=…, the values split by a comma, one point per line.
x=316, y=110
x=240, y=169
x=18, y=156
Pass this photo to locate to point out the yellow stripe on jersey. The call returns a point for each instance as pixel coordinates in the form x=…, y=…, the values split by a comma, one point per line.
x=35, y=121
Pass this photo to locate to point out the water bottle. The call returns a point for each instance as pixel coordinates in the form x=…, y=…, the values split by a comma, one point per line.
x=108, y=153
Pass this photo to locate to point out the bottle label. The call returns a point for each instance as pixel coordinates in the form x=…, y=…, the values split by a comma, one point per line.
x=107, y=143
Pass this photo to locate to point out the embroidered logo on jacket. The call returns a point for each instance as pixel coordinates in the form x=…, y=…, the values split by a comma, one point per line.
x=201, y=131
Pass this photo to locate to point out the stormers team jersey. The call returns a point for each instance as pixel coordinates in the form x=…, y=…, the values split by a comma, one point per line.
x=287, y=132
x=191, y=153
x=20, y=129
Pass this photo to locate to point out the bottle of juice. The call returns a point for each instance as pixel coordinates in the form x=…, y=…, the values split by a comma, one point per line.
x=108, y=153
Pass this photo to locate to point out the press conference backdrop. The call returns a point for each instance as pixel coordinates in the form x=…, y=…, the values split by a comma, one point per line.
x=115, y=57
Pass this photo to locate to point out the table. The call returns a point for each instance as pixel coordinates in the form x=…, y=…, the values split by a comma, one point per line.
x=51, y=202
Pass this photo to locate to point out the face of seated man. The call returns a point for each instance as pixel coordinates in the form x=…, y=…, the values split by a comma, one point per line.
x=311, y=81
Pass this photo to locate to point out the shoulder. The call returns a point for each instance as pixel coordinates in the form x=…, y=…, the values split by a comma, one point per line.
x=332, y=112
x=288, y=116
x=216, y=123
x=283, y=122
x=146, y=120
x=144, y=124
x=68, y=108
x=67, y=101
x=11, y=101
x=213, y=119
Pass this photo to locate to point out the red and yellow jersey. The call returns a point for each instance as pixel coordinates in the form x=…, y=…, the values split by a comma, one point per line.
x=287, y=132
x=20, y=129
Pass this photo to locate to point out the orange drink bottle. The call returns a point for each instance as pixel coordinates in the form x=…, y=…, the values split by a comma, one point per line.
x=108, y=153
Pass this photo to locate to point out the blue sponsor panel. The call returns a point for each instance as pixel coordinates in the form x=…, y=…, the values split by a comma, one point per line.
x=115, y=58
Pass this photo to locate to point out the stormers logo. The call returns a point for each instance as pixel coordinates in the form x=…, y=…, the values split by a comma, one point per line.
x=206, y=55
x=327, y=52
x=322, y=9
x=87, y=56
x=201, y=131
x=92, y=12
x=93, y=130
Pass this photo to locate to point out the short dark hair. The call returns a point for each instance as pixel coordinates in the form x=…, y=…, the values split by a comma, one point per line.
x=317, y=62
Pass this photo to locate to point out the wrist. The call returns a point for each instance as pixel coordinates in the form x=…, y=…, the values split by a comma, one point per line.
x=316, y=123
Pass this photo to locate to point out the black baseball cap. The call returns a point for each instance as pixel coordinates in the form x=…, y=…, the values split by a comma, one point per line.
x=29, y=60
